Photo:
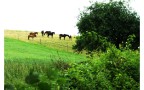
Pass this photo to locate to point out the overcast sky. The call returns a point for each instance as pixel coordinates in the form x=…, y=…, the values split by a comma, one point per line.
x=59, y=16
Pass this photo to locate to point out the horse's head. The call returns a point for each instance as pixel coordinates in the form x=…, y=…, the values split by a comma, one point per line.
x=70, y=36
x=30, y=33
x=53, y=32
x=36, y=32
x=34, y=35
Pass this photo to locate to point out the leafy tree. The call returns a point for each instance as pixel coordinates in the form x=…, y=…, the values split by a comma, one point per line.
x=91, y=41
x=112, y=20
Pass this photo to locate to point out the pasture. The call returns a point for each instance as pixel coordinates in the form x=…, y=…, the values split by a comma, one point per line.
x=57, y=67
x=55, y=42
x=21, y=55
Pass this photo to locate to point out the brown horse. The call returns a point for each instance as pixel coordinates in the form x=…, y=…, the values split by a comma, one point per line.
x=31, y=35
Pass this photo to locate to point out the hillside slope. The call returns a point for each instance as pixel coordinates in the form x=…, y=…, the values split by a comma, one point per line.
x=55, y=42
x=20, y=50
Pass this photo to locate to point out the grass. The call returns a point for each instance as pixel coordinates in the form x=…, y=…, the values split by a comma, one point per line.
x=15, y=49
x=115, y=68
x=21, y=55
x=55, y=43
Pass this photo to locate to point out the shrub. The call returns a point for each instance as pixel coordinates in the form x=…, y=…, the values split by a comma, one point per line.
x=114, y=70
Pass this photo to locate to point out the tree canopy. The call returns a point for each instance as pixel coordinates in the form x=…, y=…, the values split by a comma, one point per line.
x=113, y=21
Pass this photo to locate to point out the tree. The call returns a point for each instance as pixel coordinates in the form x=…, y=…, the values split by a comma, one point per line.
x=112, y=20
x=91, y=41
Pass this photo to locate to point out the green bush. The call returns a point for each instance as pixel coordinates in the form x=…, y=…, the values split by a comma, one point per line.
x=114, y=70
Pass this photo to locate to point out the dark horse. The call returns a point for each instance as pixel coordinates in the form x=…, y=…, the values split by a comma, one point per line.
x=31, y=35
x=64, y=35
x=49, y=33
x=42, y=32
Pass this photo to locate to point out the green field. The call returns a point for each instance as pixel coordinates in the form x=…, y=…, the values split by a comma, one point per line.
x=24, y=51
x=52, y=64
x=21, y=55
x=55, y=43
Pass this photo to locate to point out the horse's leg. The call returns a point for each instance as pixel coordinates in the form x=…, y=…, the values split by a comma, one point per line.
x=28, y=37
x=64, y=38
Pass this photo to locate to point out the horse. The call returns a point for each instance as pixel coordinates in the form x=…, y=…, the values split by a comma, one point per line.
x=70, y=37
x=64, y=35
x=42, y=32
x=49, y=33
x=31, y=35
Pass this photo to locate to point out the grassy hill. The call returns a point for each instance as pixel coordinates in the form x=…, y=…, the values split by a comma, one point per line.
x=55, y=43
x=22, y=55
x=16, y=49
x=49, y=64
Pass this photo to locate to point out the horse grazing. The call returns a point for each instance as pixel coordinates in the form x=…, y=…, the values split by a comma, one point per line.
x=31, y=35
x=42, y=32
x=64, y=35
x=70, y=37
x=49, y=33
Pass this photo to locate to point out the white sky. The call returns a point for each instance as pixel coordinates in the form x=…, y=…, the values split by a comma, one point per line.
x=59, y=16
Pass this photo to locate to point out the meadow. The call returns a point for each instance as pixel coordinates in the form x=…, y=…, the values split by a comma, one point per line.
x=50, y=42
x=46, y=63
x=21, y=55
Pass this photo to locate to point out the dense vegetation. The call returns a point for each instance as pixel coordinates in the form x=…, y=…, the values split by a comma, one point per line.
x=114, y=69
x=112, y=22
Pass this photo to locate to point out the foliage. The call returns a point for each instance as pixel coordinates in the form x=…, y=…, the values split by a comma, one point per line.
x=115, y=70
x=32, y=78
x=123, y=68
x=60, y=65
x=91, y=41
x=112, y=20
x=129, y=42
x=8, y=87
